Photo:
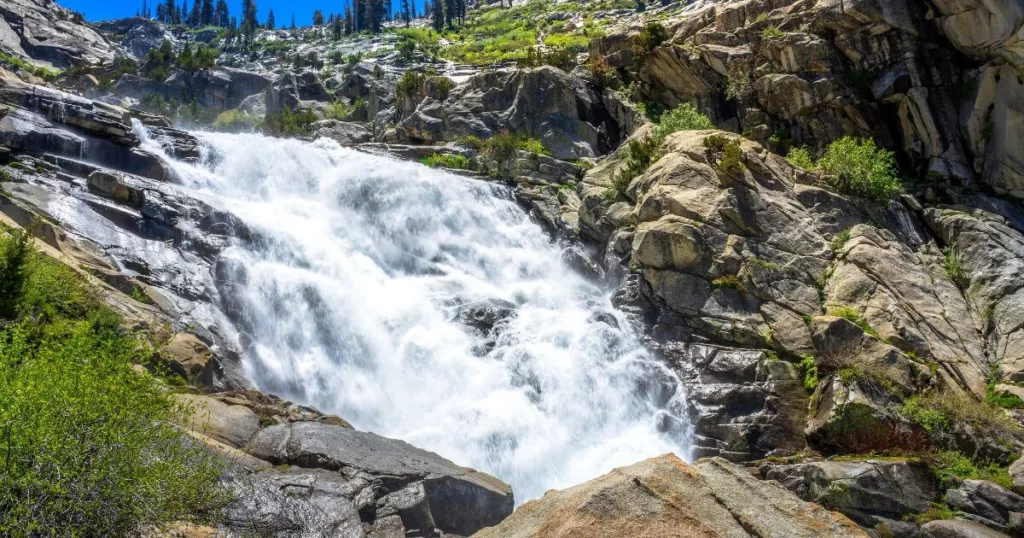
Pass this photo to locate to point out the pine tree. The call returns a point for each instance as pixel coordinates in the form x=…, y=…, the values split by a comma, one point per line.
x=195, y=18
x=437, y=15
x=358, y=16
x=170, y=12
x=206, y=13
x=222, y=17
x=318, y=18
x=183, y=13
x=270, y=20
x=336, y=28
x=293, y=21
x=348, y=19
x=249, y=21
x=406, y=13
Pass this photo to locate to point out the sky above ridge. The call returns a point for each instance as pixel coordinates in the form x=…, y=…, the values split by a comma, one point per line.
x=101, y=10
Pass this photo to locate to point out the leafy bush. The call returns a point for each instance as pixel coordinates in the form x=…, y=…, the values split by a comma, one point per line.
x=640, y=154
x=810, y=371
x=410, y=84
x=772, y=31
x=860, y=168
x=289, y=123
x=800, y=157
x=233, y=121
x=503, y=146
x=458, y=162
x=652, y=36
x=684, y=117
x=88, y=447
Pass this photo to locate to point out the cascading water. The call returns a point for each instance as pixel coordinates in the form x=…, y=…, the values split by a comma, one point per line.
x=346, y=302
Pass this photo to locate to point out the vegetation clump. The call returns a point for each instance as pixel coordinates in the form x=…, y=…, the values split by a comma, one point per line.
x=503, y=146
x=88, y=447
x=454, y=161
x=288, y=122
x=854, y=167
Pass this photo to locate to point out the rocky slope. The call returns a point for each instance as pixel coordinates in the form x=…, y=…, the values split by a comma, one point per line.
x=804, y=322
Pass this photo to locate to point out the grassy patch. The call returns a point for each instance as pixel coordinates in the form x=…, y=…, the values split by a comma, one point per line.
x=88, y=447
x=951, y=467
x=233, y=121
x=39, y=71
x=840, y=240
x=936, y=512
x=951, y=264
x=852, y=315
x=772, y=31
x=458, y=162
x=504, y=145
x=729, y=282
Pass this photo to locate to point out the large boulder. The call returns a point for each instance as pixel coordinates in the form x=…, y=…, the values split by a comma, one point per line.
x=663, y=497
x=423, y=489
x=138, y=35
x=44, y=31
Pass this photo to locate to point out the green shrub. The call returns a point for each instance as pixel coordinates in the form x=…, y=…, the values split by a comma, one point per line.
x=39, y=71
x=458, y=162
x=650, y=38
x=840, y=240
x=951, y=264
x=88, y=447
x=732, y=158
x=772, y=31
x=640, y=154
x=729, y=282
x=289, y=123
x=951, y=467
x=233, y=121
x=14, y=253
x=810, y=371
x=801, y=157
x=859, y=168
x=684, y=117
x=503, y=146
x=338, y=110
x=410, y=84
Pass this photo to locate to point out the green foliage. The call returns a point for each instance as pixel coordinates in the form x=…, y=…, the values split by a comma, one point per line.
x=922, y=413
x=810, y=371
x=940, y=414
x=859, y=168
x=338, y=110
x=936, y=512
x=14, y=253
x=472, y=141
x=732, y=159
x=289, y=123
x=729, y=282
x=88, y=447
x=800, y=157
x=772, y=31
x=560, y=58
x=650, y=38
x=458, y=162
x=951, y=264
x=852, y=315
x=996, y=398
x=158, y=62
x=200, y=59
x=684, y=117
x=503, y=146
x=571, y=43
x=410, y=84
x=37, y=70
x=234, y=121
x=951, y=467
x=640, y=154
x=840, y=240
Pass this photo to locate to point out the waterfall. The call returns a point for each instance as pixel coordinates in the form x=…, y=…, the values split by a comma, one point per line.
x=347, y=297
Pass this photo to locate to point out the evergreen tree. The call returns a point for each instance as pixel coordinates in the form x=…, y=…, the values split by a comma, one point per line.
x=359, y=14
x=437, y=15
x=206, y=13
x=170, y=12
x=249, y=21
x=406, y=13
x=222, y=16
x=293, y=21
x=195, y=18
x=183, y=13
x=142, y=12
x=318, y=18
x=348, y=19
x=336, y=28
x=270, y=20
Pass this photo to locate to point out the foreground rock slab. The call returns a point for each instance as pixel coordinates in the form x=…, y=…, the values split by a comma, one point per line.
x=665, y=497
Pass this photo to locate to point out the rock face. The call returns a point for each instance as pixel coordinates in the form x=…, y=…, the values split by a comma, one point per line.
x=664, y=497
x=939, y=80
x=544, y=103
x=387, y=483
x=43, y=31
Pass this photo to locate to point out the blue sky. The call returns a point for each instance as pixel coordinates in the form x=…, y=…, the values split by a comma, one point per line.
x=100, y=10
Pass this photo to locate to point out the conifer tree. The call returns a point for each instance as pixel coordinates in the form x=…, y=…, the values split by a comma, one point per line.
x=318, y=18
x=206, y=13
x=437, y=15
x=222, y=17
x=270, y=20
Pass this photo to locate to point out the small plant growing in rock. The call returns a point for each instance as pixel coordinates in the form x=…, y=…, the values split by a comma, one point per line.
x=951, y=264
x=810, y=370
x=772, y=31
x=860, y=168
x=732, y=159
x=729, y=282
x=650, y=38
x=454, y=161
x=640, y=154
x=854, y=317
x=800, y=157
x=840, y=240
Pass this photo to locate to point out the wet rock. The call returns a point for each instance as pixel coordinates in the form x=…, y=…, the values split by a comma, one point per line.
x=663, y=497
x=342, y=132
x=986, y=502
x=485, y=315
x=116, y=187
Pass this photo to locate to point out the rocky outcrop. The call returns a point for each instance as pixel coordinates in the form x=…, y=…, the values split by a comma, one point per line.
x=220, y=89
x=544, y=103
x=138, y=35
x=938, y=80
x=664, y=497
x=43, y=31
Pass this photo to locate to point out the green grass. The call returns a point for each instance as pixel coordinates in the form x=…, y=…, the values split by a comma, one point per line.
x=852, y=315
x=729, y=282
x=503, y=146
x=88, y=447
x=772, y=31
x=951, y=467
x=936, y=512
x=840, y=240
x=39, y=71
x=458, y=162
x=951, y=264
x=810, y=371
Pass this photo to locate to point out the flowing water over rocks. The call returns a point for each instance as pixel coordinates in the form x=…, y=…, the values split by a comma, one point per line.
x=428, y=307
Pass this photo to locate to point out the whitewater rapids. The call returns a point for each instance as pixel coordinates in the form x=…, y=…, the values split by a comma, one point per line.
x=346, y=301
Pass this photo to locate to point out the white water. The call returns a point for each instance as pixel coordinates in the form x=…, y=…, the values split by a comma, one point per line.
x=349, y=301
